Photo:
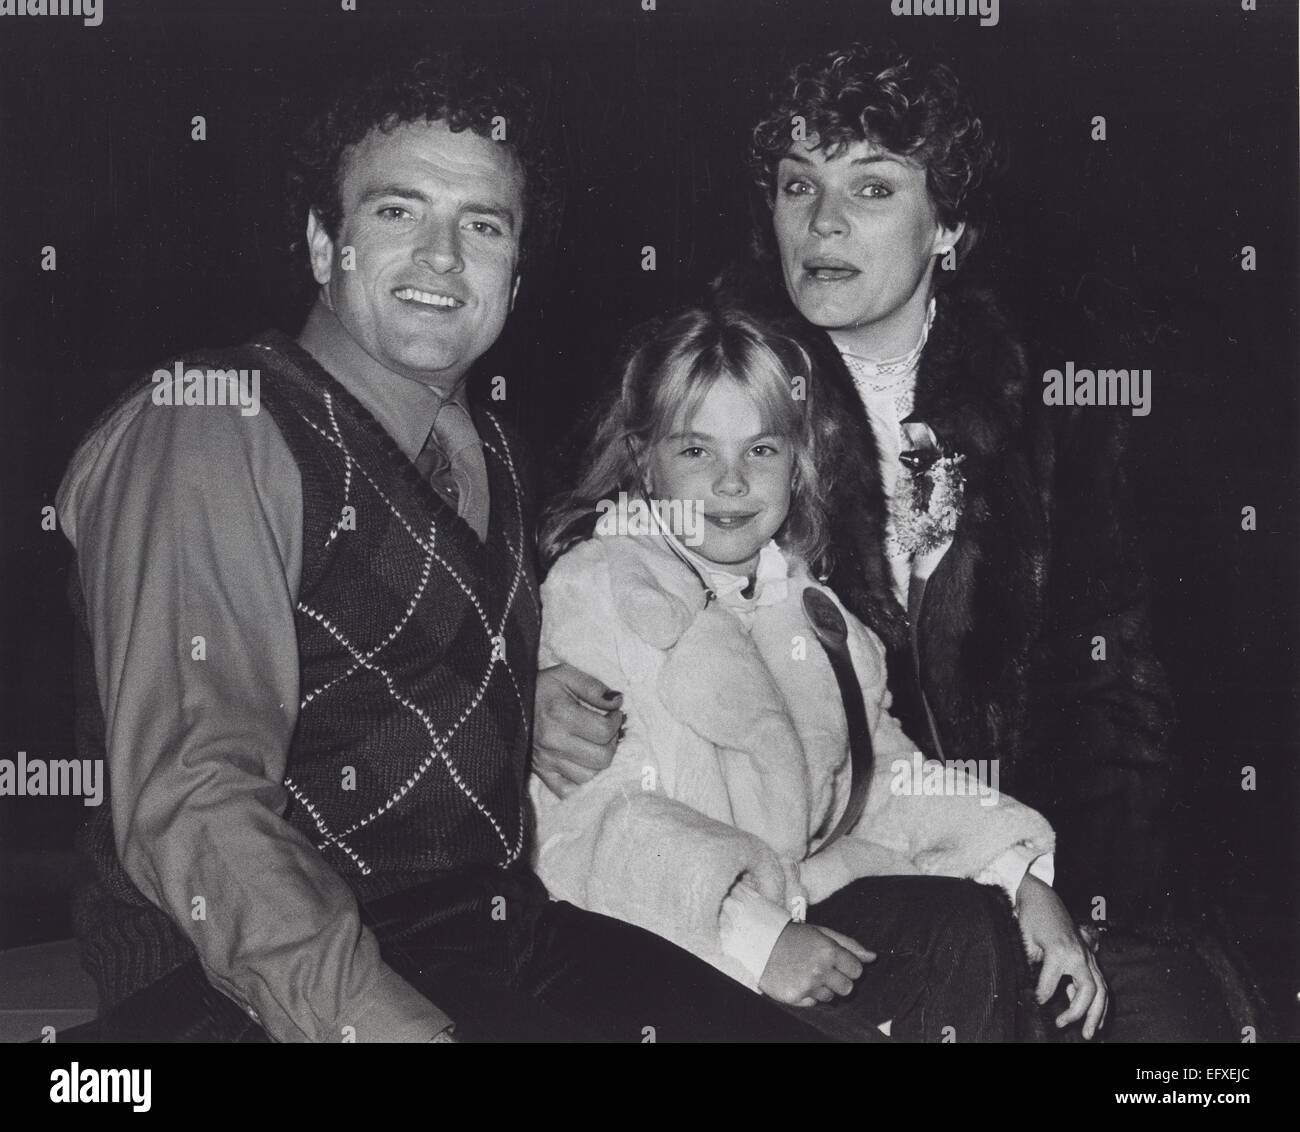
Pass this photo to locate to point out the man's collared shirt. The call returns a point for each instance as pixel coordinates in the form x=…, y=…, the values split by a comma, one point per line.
x=188, y=525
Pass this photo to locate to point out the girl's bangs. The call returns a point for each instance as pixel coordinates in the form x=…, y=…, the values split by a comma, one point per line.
x=761, y=374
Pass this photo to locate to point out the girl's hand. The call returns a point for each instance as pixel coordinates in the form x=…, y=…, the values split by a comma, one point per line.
x=575, y=727
x=1050, y=934
x=811, y=964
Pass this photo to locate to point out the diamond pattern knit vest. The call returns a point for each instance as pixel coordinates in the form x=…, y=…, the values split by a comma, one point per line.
x=417, y=650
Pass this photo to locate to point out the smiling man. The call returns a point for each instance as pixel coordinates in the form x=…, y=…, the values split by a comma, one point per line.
x=309, y=643
x=433, y=217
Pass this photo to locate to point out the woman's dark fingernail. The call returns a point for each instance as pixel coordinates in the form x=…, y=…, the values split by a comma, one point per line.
x=610, y=696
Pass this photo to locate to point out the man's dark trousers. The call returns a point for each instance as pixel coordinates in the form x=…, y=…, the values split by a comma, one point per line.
x=508, y=964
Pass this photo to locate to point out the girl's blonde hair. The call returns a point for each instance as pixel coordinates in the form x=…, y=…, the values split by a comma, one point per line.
x=669, y=365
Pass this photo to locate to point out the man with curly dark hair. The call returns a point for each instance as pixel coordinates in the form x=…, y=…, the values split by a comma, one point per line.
x=984, y=536
x=459, y=90
x=309, y=641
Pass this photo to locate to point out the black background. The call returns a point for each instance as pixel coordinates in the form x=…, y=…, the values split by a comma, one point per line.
x=166, y=244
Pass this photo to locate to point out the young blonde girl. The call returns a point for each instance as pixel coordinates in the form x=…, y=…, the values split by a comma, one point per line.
x=734, y=765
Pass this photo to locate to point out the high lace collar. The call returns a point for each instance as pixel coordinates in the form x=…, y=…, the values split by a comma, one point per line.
x=875, y=377
x=889, y=367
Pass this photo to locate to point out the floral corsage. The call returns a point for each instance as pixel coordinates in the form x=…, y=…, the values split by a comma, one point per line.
x=928, y=494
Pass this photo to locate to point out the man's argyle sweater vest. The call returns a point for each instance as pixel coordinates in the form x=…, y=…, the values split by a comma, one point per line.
x=417, y=650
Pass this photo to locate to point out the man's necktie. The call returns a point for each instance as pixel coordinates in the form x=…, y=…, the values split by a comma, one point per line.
x=452, y=461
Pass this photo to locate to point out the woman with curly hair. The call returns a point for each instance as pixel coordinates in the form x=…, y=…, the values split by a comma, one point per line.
x=982, y=535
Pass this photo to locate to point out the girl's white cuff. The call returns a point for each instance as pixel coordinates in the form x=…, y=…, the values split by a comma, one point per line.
x=750, y=926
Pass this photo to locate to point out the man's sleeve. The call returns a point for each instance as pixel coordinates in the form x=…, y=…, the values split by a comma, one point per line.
x=187, y=524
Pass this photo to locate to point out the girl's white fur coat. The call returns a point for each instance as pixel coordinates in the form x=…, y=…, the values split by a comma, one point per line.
x=734, y=763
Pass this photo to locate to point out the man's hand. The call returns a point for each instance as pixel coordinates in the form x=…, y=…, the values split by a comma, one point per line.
x=576, y=724
x=811, y=964
x=1050, y=934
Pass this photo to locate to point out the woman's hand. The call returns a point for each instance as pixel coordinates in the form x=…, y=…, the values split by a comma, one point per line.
x=1050, y=934
x=576, y=722
x=811, y=964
